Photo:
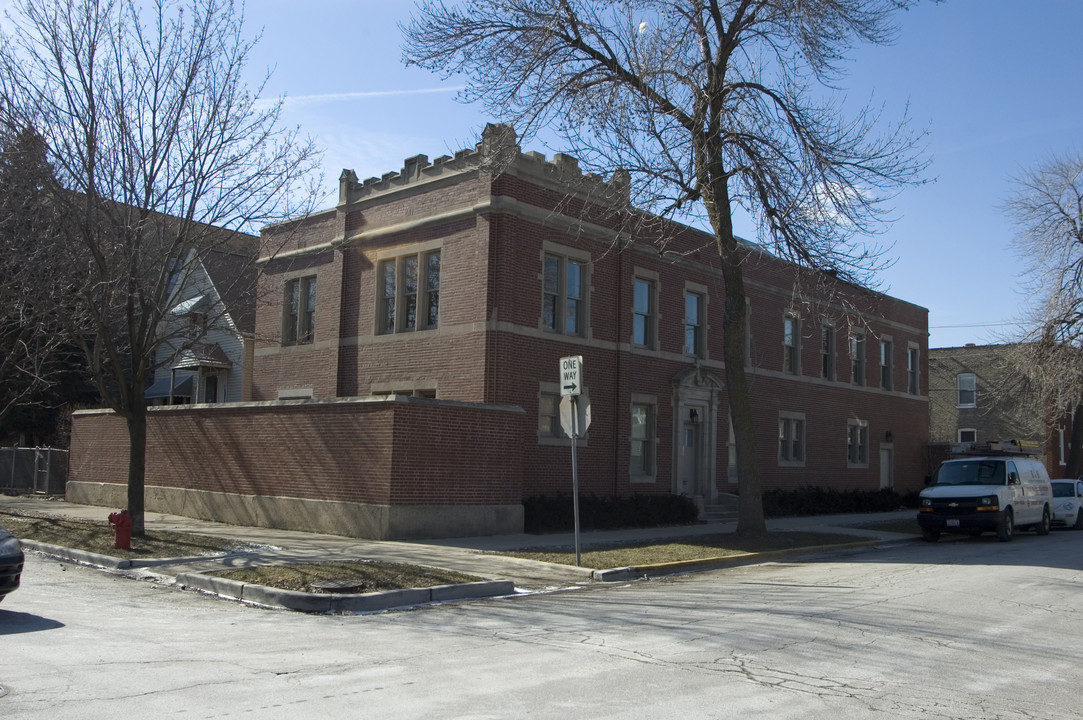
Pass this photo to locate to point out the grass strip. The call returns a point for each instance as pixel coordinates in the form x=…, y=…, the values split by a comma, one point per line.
x=721, y=545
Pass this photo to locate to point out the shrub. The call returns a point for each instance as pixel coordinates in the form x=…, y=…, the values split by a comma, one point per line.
x=813, y=500
x=554, y=513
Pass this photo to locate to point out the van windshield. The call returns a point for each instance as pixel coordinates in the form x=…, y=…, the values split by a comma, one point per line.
x=977, y=472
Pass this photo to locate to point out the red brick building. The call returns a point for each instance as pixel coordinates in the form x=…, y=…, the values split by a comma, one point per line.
x=466, y=279
x=454, y=281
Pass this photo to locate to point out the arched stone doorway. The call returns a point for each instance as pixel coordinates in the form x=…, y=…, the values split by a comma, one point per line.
x=695, y=434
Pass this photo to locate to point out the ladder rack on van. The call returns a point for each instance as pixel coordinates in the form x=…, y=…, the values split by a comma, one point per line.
x=1002, y=447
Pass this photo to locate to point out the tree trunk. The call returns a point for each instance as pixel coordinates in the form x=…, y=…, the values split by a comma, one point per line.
x=750, y=520
x=1074, y=468
x=137, y=469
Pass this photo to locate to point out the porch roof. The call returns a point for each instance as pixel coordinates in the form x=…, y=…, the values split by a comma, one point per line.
x=202, y=355
x=160, y=389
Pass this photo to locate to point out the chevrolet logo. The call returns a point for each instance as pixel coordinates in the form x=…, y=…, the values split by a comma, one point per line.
x=953, y=504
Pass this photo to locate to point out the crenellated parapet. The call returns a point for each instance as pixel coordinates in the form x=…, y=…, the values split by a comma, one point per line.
x=497, y=152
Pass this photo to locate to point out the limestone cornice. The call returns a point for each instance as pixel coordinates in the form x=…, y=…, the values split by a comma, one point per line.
x=493, y=205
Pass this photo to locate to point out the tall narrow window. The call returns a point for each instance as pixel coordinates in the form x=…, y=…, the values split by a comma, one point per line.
x=197, y=325
x=643, y=326
x=574, y=300
x=210, y=389
x=913, y=385
x=387, y=304
x=693, y=325
x=299, y=311
x=791, y=347
x=308, y=311
x=857, y=442
x=886, y=366
x=409, y=293
x=641, y=439
x=967, y=385
x=827, y=352
x=857, y=359
x=563, y=295
x=551, y=293
x=791, y=438
x=432, y=288
x=291, y=305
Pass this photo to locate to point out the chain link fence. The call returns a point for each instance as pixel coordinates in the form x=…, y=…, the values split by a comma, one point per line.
x=43, y=471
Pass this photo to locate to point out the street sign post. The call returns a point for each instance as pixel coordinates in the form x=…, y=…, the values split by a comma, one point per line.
x=571, y=375
x=571, y=387
x=575, y=415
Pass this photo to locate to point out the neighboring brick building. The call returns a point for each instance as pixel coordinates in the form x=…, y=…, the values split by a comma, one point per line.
x=983, y=393
x=466, y=279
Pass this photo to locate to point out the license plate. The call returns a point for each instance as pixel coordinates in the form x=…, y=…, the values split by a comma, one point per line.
x=953, y=523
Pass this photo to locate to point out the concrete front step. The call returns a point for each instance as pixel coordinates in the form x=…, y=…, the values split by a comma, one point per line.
x=725, y=511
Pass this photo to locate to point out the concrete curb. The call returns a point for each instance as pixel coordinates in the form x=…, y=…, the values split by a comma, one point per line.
x=341, y=602
x=681, y=566
x=286, y=599
x=108, y=561
x=79, y=556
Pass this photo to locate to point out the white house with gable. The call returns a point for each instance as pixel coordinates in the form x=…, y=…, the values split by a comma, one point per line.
x=207, y=354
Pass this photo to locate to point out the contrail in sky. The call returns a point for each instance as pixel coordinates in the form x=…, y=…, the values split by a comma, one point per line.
x=335, y=97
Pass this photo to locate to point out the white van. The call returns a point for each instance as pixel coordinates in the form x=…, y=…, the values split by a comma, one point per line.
x=993, y=492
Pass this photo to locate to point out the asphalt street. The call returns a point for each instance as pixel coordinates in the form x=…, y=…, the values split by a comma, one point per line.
x=968, y=629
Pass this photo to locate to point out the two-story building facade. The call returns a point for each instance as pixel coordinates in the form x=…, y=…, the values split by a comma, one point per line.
x=469, y=277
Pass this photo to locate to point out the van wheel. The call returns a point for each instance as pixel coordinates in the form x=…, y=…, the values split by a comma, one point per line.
x=1006, y=527
x=1042, y=528
x=930, y=535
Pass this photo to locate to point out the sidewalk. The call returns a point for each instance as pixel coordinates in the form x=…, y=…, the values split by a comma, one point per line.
x=472, y=556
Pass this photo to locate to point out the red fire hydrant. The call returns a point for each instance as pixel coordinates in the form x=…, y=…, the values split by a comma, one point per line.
x=122, y=529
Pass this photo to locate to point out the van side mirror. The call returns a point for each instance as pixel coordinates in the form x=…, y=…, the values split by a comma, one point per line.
x=1013, y=478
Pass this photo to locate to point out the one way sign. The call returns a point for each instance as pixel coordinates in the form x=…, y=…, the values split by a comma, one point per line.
x=571, y=375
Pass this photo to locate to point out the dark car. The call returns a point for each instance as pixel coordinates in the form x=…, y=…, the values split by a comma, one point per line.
x=11, y=562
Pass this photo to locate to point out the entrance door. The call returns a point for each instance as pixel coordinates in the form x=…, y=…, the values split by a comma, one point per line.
x=689, y=460
x=695, y=432
x=887, y=472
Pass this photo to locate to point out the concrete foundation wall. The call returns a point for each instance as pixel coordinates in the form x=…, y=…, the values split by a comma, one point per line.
x=376, y=522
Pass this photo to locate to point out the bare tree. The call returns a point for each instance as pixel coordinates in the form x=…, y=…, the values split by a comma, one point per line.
x=712, y=106
x=163, y=156
x=32, y=350
x=1047, y=207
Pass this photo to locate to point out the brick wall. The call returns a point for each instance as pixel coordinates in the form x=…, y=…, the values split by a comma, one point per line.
x=379, y=452
x=311, y=365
